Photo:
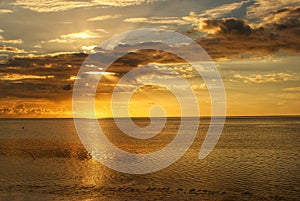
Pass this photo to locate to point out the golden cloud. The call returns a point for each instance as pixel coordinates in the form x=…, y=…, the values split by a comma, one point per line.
x=263, y=78
x=63, y=5
x=103, y=17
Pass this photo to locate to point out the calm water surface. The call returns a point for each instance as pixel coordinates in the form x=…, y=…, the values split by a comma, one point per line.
x=256, y=158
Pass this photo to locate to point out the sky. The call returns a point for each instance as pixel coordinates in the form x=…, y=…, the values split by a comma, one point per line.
x=254, y=44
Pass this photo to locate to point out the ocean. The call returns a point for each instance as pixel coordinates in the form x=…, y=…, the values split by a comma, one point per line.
x=256, y=158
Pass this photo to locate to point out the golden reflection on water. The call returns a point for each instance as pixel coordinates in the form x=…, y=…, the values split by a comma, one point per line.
x=93, y=176
x=133, y=145
x=255, y=159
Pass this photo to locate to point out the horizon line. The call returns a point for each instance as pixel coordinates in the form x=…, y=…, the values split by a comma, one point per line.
x=227, y=116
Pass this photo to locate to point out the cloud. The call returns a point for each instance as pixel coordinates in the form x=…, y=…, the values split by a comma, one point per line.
x=281, y=17
x=222, y=11
x=58, y=40
x=14, y=41
x=51, y=77
x=103, y=17
x=122, y=3
x=136, y=20
x=14, y=77
x=9, y=41
x=88, y=49
x=263, y=78
x=4, y=58
x=262, y=8
x=81, y=35
x=30, y=109
x=294, y=89
x=286, y=96
x=45, y=77
x=102, y=30
x=236, y=38
x=216, y=13
x=4, y=11
x=51, y=5
x=72, y=37
x=157, y=20
x=230, y=38
x=9, y=49
x=63, y=5
x=286, y=24
x=227, y=26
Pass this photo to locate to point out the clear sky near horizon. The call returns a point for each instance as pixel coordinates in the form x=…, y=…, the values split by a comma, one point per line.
x=255, y=45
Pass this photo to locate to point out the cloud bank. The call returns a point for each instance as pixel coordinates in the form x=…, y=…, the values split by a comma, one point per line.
x=236, y=38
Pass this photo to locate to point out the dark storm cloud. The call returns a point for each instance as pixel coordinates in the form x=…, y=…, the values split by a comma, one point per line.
x=9, y=49
x=228, y=26
x=43, y=77
x=286, y=22
x=52, y=77
x=232, y=37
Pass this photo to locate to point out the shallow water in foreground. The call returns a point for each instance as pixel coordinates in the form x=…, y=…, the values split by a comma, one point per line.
x=256, y=158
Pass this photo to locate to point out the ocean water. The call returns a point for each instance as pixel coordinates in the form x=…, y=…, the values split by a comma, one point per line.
x=256, y=158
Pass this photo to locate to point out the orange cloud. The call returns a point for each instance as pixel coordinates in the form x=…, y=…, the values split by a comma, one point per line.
x=271, y=77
